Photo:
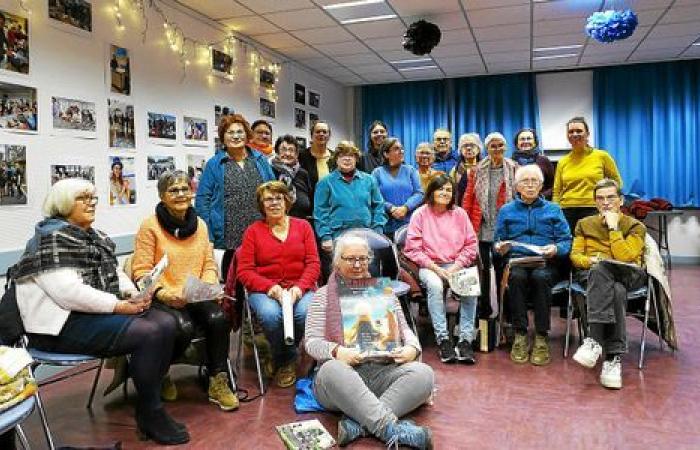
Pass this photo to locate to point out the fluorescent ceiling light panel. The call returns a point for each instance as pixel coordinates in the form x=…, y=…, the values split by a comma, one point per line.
x=407, y=69
x=368, y=19
x=361, y=11
x=409, y=61
x=565, y=55
x=561, y=47
x=352, y=4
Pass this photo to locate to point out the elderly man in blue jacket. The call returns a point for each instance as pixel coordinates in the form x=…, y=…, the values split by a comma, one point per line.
x=530, y=225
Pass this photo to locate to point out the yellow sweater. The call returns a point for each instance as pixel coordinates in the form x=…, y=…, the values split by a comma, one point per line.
x=193, y=255
x=576, y=176
x=593, y=238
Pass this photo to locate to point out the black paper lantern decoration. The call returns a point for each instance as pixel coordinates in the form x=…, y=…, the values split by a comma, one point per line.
x=421, y=37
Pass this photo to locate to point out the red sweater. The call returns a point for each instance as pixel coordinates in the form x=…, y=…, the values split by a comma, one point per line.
x=264, y=260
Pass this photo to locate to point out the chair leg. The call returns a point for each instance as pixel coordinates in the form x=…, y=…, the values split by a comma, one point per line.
x=94, y=384
x=231, y=374
x=22, y=437
x=255, y=349
x=655, y=302
x=644, y=331
x=44, y=421
x=569, y=319
x=239, y=349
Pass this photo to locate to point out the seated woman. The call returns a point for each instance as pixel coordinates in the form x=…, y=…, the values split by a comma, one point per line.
x=441, y=241
x=176, y=231
x=372, y=396
x=279, y=256
x=73, y=298
x=532, y=220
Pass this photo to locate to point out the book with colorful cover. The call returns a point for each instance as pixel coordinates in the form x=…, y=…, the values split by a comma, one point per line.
x=370, y=321
x=305, y=435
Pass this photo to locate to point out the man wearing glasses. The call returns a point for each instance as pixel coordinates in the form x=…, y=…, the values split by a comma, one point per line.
x=608, y=249
x=445, y=157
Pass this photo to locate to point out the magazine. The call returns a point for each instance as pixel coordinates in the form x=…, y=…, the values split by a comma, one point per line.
x=196, y=290
x=370, y=323
x=305, y=435
x=536, y=249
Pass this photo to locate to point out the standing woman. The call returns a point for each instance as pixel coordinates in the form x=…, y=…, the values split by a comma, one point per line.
x=578, y=172
x=527, y=152
x=262, y=138
x=226, y=193
x=425, y=157
x=470, y=147
x=318, y=159
x=373, y=157
x=399, y=185
x=491, y=185
x=119, y=192
x=287, y=169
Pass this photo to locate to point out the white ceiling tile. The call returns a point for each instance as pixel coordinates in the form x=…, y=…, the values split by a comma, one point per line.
x=481, y=18
x=335, y=71
x=637, y=5
x=389, y=43
x=382, y=28
x=279, y=40
x=676, y=43
x=679, y=14
x=462, y=36
x=563, y=10
x=328, y=35
x=422, y=7
x=266, y=6
x=251, y=26
x=506, y=57
x=358, y=60
x=648, y=17
x=349, y=80
x=455, y=50
x=686, y=2
x=304, y=52
x=217, y=9
x=606, y=58
x=448, y=21
x=508, y=66
x=428, y=74
x=300, y=19
x=342, y=48
x=654, y=55
x=561, y=63
x=460, y=62
x=481, y=4
x=383, y=77
x=557, y=40
x=550, y=27
x=506, y=45
x=374, y=69
x=692, y=52
x=674, y=29
x=392, y=55
x=466, y=71
x=319, y=62
x=515, y=31
x=598, y=48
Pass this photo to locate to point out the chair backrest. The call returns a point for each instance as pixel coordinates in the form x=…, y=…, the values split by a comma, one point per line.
x=400, y=236
x=386, y=261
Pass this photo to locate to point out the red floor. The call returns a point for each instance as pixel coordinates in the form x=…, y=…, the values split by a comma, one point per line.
x=495, y=404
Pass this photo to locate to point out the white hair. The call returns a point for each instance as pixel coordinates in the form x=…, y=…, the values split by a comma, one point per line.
x=347, y=240
x=530, y=169
x=474, y=137
x=425, y=145
x=61, y=197
x=495, y=135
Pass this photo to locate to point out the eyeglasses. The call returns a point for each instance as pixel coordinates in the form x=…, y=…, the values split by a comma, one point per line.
x=606, y=198
x=272, y=200
x=235, y=133
x=361, y=260
x=442, y=139
x=530, y=182
x=176, y=192
x=87, y=199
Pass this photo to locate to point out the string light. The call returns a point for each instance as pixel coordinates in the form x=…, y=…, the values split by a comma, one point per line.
x=24, y=6
x=118, y=15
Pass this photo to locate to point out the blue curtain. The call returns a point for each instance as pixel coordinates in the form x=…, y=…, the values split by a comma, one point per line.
x=503, y=103
x=648, y=117
x=412, y=111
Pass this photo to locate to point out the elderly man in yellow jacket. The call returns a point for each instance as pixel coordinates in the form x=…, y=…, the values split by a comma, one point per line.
x=607, y=249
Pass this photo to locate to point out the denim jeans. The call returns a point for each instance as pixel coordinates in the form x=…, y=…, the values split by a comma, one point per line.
x=269, y=313
x=436, y=306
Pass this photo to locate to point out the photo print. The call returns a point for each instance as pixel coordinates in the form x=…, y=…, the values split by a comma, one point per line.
x=299, y=118
x=219, y=112
x=157, y=165
x=14, y=42
x=221, y=63
x=195, y=168
x=196, y=132
x=62, y=171
x=301, y=142
x=119, y=70
x=299, y=94
x=267, y=108
x=162, y=128
x=72, y=116
x=18, y=107
x=313, y=118
x=267, y=79
x=13, y=182
x=122, y=180
x=121, y=125
x=314, y=99
x=73, y=14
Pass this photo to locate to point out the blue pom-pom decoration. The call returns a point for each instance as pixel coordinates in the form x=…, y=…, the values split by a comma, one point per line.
x=611, y=25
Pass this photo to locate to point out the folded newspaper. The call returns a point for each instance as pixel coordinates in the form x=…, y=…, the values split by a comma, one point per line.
x=536, y=249
x=147, y=283
x=305, y=435
x=196, y=290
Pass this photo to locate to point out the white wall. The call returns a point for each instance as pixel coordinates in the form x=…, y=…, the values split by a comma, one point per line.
x=74, y=65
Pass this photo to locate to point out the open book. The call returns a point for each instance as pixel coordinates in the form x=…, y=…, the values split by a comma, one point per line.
x=305, y=435
x=534, y=249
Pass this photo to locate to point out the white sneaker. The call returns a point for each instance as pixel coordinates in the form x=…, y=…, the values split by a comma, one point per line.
x=611, y=374
x=588, y=353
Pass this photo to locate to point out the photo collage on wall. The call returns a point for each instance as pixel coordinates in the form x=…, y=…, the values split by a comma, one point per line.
x=300, y=98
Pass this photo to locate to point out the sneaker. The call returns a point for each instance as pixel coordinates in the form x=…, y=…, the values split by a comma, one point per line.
x=465, y=353
x=540, y=352
x=588, y=353
x=518, y=352
x=220, y=392
x=446, y=351
x=349, y=431
x=286, y=375
x=406, y=433
x=168, y=390
x=611, y=374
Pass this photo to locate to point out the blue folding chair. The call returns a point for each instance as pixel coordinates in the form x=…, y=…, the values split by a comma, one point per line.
x=14, y=416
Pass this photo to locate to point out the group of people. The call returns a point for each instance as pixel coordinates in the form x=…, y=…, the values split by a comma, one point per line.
x=280, y=216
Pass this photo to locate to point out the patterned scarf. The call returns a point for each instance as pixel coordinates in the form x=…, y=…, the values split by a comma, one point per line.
x=286, y=175
x=481, y=185
x=525, y=158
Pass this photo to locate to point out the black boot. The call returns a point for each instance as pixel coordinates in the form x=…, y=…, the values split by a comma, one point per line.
x=156, y=424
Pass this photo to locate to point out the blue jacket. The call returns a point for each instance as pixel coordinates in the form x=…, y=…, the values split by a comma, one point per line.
x=340, y=205
x=402, y=190
x=447, y=163
x=209, y=202
x=540, y=223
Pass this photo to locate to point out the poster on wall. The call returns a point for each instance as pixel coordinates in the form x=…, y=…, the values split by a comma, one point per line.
x=314, y=99
x=18, y=108
x=196, y=131
x=62, y=171
x=13, y=167
x=121, y=125
x=221, y=64
x=162, y=128
x=73, y=117
x=71, y=15
x=119, y=70
x=299, y=94
x=15, y=43
x=299, y=118
x=267, y=79
x=122, y=180
x=157, y=165
x=195, y=168
x=219, y=112
x=267, y=108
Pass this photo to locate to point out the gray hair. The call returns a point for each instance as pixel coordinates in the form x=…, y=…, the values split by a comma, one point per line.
x=472, y=136
x=61, y=197
x=530, y=169
x=495, y=135
x=169, y=178
x=347, y=240
x=423, y=145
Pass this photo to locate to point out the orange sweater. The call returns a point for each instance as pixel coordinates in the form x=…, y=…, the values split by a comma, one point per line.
x=193, y=255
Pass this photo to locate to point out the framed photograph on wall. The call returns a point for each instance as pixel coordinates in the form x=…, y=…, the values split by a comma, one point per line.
x=313, y=118
x=314, y=99
x=18, y=108
x=15, y=37
x=299, y=94
x=121, y=125
x=162, y=128
x=13, y=180
x=301, y=143
x=119, y=70
x=196, y=131
x=74, y=117
x=71, y=15
x=157, y=165
x=122, y=180
x=221, y=64
x=219, y=112
x=267, y=79
x=63, y=171
x=299, y=118
x=195, y=168
x=267, y=108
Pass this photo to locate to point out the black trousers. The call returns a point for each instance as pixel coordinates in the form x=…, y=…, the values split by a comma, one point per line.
x=488, y=257
x=573, y=215
x=535, y=284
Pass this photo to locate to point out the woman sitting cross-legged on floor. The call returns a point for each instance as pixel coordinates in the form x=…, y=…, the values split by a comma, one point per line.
x=176, y=231
x=278, y=256
x=372, y=396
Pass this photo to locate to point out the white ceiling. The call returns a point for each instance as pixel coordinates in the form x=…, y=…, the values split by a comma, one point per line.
x=478, y=36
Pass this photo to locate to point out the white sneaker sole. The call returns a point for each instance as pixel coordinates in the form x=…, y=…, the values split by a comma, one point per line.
x=611, y=383
x=588, y=363
x=222, y=407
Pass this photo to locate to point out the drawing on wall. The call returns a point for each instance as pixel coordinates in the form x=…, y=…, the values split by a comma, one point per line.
x=120, y=70
x=75, y=14
x=15, y=42
x=73, y=116
x=62, y=171
x=122, y=180
x=157, y=165
x=13, y=167
x=18, y=107
x=121, y=125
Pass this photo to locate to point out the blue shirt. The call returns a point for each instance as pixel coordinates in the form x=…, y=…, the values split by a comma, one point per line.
x=404, y=189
